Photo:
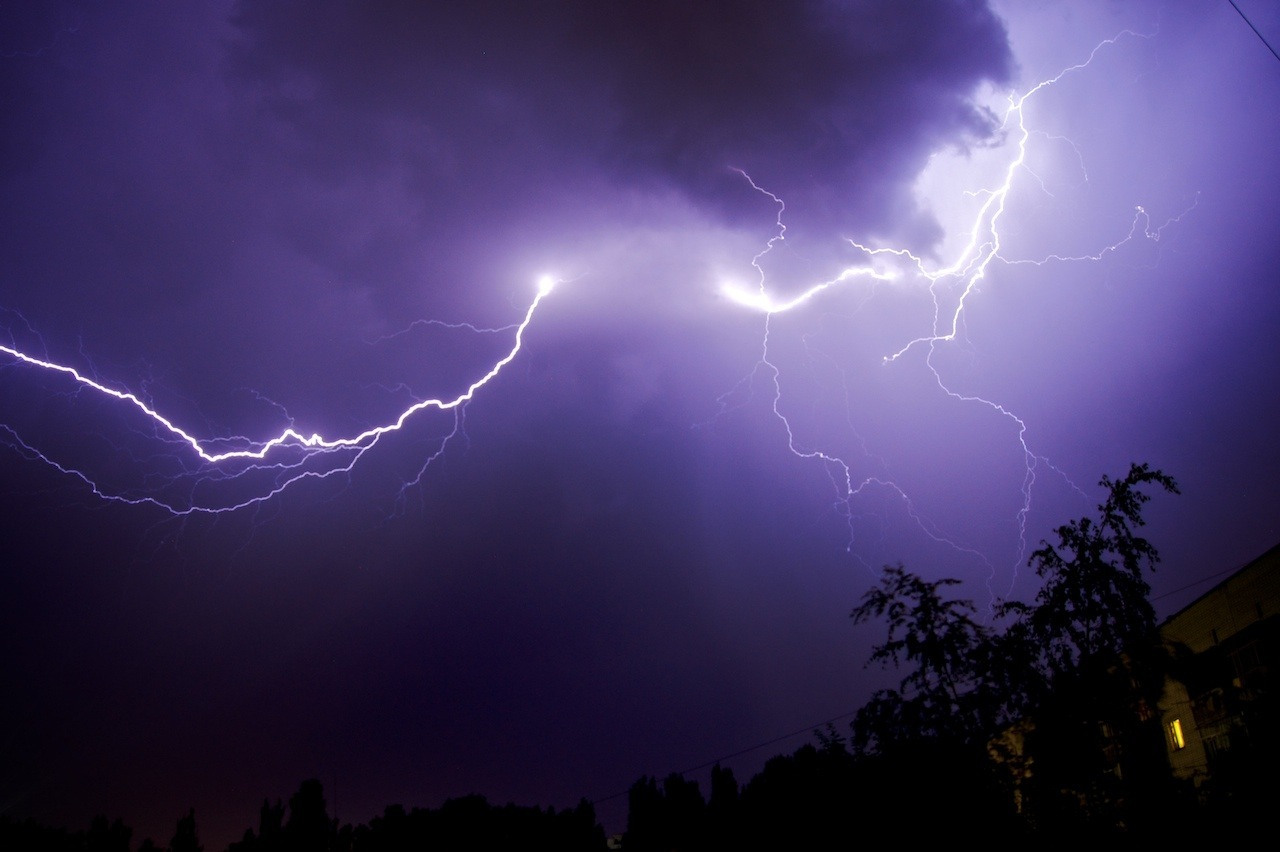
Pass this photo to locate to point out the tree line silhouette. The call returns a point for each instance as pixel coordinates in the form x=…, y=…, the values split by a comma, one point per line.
x=1037, y=724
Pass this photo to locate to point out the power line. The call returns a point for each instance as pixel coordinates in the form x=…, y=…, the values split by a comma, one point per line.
x=1255, y=29
x=1199, y=582
x=741, y=752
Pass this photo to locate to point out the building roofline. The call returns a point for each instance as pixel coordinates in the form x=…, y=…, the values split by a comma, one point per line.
x=1273, y=550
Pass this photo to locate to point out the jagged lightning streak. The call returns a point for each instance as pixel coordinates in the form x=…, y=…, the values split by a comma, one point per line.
x=284, y=459
x=837, y=468
x=982, y=247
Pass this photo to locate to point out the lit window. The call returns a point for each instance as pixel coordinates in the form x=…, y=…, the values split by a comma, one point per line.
x=1175, y=734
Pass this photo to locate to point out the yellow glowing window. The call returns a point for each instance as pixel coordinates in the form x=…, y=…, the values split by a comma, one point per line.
x=1175, y=734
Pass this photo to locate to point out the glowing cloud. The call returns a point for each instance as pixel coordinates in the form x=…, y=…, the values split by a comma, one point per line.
x=950, y=285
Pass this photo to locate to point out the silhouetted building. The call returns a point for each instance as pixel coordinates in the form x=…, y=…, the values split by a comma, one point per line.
x=1220, y=714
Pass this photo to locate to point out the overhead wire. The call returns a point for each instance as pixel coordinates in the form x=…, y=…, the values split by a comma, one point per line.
x=1256, y=32
x=747, y=750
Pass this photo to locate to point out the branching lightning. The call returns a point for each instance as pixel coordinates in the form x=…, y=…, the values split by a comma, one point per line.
x=204, y=475
x=951, y=288
x=267, y=467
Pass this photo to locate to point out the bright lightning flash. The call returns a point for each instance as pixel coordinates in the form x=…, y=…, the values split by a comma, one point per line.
x=279, y=462
x=208, y=470
x=950, y=286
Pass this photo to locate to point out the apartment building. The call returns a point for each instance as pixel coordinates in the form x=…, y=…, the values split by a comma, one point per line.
x=1221, y=712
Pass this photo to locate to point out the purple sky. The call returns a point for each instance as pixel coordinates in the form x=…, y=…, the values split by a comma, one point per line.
x=620, y=563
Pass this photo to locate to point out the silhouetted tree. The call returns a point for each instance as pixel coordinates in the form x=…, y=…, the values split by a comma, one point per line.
x=661, y=819
x=1094, y=602
x=393, y=830
x=1078, y=673
x=270, y=835
x=29, y=834
x=107, y=836
x=723, y=810
x=1096, y=742
x=309, y=828
x=185, y=838
x=468, y=822
x=685, y=811
x=798, y=801
x=923, y=748
x=943, y=695
x=644, y=816
x=581, y=830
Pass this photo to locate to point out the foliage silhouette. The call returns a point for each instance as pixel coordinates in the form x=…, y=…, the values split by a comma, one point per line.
x=672, y=816
x=1065, y=686
x=942, y=696
x=467, y=822
x=1069, y=686
x=1094, y=603
x=104, y=836
x=185, y=838
x=1100, y=669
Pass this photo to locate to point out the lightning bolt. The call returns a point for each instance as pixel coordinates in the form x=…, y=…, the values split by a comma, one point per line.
x=270, y=466
x=206, y=470
x=951, y=287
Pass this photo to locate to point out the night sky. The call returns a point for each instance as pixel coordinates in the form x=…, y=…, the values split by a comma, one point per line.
x=635, y=548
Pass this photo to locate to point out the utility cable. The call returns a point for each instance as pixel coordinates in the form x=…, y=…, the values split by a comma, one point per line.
x=741, y=752
x=1255, y=29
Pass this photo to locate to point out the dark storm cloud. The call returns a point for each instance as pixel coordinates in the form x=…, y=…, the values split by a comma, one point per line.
x=298, y=178
x=837, y=102
x=408, y=155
